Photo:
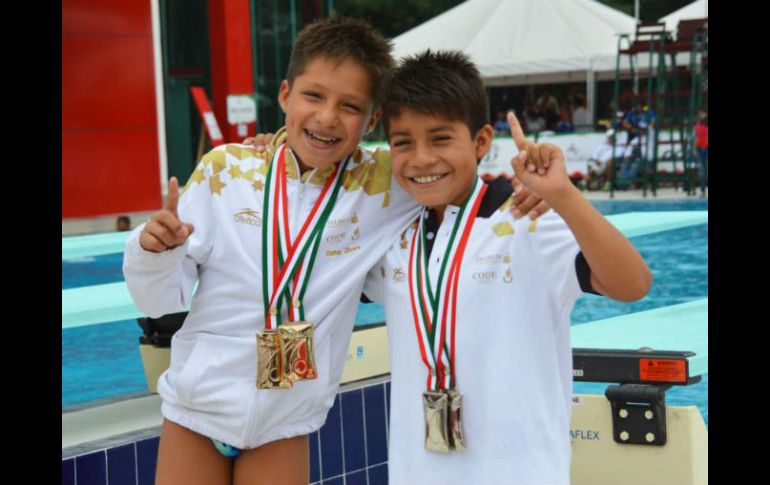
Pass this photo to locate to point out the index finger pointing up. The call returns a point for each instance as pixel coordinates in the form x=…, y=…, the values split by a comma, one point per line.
x=516, y=131
x=172, y=199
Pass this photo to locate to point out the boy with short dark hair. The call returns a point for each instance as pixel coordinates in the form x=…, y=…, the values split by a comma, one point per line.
x=478, y=332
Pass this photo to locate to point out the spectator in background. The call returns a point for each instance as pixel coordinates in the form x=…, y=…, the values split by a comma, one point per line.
x=701, y=148
x=501, y=124
x=533, y=119
x=580, y=115
x=544, y=100
x=638, y=120
x=551, y=114
x=618, y=121
x=565, y=121
x=123, y=224
x=600, y=164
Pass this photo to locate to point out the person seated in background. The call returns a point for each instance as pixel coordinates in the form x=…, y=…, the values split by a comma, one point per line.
x=501, y=124
x=544, y=100
x=638, y=120
x=123, y=223
x=565, y=121
x=599, y=168
x=630, y=166
x=580, y=115
x=533, y=119
x=551, y=114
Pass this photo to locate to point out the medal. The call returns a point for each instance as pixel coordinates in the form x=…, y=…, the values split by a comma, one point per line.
x=455, y=423
x=270, y=370
x=298, y=355
x=434, y=404
x=434, y=311
x=285, y=352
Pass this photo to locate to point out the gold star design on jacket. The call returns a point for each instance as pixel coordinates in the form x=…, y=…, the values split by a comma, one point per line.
x=197, y=177
x=258, y=185
x=216, y=185
x=235, y=171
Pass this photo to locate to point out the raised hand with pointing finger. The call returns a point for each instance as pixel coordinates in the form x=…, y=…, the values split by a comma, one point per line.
x=164, y=230
x=539, y=167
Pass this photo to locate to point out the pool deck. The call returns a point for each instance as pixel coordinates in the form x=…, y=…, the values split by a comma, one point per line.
x=94, y=225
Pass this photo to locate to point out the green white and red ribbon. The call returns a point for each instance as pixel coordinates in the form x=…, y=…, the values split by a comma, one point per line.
x=286, y=263
x=434, y=311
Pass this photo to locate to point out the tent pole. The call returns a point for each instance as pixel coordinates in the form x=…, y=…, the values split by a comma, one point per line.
x=590, y=95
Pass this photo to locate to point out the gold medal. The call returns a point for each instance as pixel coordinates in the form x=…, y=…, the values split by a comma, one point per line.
x=298, y=353
x=270, y=366
x=456, y=440
x=435, y=405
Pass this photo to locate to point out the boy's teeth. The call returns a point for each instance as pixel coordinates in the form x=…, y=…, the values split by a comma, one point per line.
x=427, y=180
x=321, y=138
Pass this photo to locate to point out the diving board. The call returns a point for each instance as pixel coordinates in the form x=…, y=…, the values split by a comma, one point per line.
x=89, y=305
x=631, y=224
x=93, y=245
x=676, y=327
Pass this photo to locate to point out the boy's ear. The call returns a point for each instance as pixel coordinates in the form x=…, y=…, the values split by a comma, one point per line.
x=373, y=119
x=483, y=140
x=283, y=95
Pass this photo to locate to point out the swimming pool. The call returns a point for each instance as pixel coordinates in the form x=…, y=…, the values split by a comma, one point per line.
x=102, y=362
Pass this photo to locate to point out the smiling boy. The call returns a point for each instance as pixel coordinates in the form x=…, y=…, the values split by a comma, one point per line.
x=478, y=331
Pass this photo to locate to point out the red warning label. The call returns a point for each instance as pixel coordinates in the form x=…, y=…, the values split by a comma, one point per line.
x=664, y=370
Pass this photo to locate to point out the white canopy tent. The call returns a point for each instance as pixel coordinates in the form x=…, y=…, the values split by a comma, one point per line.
x=516, y=42
x=696, y=10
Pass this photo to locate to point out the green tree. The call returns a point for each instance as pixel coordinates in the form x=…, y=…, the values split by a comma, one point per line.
x=649, y=10
x=394, y=17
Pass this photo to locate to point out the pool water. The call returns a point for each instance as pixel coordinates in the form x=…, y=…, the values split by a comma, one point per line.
x=102, y=362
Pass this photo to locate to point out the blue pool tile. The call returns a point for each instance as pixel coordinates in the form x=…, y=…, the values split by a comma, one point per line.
x=315, y=468
x=334, y=481
x=353, y=428
x=357, y=478
x=378, y=475
x=331, y=443
x=147, y=460
x=376, y=426
x=387, y=402
x=121, y=465
x=91, y=469
x=68, y=472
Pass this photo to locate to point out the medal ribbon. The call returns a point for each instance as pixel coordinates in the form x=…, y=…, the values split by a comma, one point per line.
x=283, y=261
x=434, y=311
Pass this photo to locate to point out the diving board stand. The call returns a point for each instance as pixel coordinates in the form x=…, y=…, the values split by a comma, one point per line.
x=665, y=334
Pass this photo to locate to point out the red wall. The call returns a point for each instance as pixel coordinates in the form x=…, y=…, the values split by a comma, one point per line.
x=109, y=126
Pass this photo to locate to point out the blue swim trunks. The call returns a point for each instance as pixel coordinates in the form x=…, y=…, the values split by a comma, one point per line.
x=226, y=450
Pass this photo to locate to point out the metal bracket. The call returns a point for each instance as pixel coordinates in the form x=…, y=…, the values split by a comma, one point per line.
x=638, y=414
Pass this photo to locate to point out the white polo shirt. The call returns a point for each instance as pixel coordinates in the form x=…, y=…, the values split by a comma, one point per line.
x=210, y=386
x=517, y=287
